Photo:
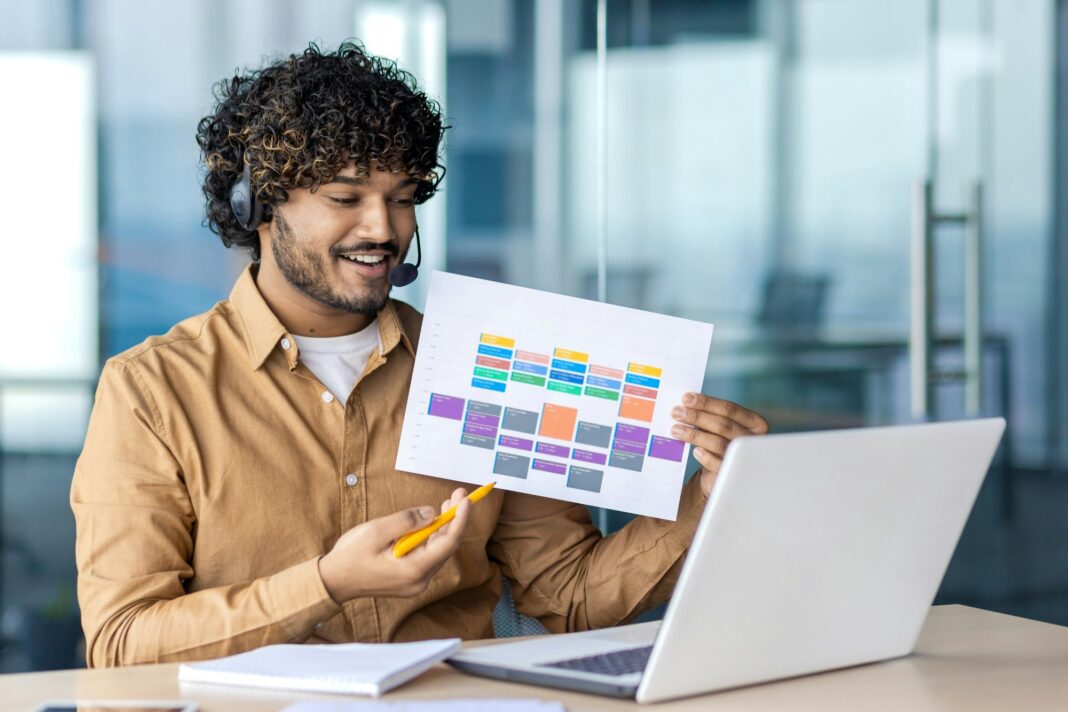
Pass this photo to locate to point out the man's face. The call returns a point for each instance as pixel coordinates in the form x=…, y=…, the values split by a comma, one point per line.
x=337, y=244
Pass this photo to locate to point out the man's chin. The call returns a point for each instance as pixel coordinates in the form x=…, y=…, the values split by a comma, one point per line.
x=367, y=302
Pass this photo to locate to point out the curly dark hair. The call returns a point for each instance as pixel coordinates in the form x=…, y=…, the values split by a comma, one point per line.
x=299, y=121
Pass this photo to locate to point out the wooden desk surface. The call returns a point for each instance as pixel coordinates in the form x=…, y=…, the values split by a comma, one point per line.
x=966, y=659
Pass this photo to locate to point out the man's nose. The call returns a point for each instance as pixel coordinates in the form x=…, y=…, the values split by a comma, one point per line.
x=374, y=221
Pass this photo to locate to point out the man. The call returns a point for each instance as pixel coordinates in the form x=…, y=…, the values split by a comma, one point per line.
x=237, y=487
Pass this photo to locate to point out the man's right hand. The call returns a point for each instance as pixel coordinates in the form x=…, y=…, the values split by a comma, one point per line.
x=362, y=561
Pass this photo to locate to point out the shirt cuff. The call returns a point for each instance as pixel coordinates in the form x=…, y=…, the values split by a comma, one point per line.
x=300, y=599
x=692, y=503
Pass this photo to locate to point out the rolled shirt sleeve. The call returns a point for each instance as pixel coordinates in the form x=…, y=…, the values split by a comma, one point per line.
x=569, y=576
x=136, y=523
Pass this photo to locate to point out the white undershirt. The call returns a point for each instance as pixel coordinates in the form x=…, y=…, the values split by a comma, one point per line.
x=338, y=361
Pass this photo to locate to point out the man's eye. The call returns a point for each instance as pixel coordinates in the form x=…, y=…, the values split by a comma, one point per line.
x=342, y=201
x=403, y=202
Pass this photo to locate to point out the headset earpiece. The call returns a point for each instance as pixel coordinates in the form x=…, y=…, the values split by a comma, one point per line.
x=243, y=203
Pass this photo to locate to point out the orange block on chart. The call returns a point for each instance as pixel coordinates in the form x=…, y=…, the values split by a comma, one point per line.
x=558, y=421
x=636, y=409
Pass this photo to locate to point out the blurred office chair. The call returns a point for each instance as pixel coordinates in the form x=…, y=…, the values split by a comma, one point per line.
x=794, y=304
x=805, y=383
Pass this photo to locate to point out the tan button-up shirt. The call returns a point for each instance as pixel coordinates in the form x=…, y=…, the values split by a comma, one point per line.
x=215, y=474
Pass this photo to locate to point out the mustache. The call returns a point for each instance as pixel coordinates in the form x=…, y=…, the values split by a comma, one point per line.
x=391, y=247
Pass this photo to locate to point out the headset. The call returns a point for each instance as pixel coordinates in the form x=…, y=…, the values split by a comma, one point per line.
x=249, y=214
x=405, y=273
x=243, y=203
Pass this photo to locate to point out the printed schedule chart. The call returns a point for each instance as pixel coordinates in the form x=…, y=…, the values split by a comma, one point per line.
x=551, y=395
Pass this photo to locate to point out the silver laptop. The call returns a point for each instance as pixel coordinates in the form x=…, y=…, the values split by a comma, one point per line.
x=816, y=551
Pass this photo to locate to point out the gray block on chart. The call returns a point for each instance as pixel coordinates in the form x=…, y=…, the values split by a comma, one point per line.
x=593, y=434
x=477, y=441
x=521, y=421
x=626, y=461
x=511, y=465
x=480, y=407
x=584, y=478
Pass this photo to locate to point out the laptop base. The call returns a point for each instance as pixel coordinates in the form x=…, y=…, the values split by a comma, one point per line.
x=530, y=677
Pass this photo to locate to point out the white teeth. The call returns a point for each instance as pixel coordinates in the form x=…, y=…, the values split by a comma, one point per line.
x=365, y=259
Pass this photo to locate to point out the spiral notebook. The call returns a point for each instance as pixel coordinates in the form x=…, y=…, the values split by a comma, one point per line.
x=352, y=668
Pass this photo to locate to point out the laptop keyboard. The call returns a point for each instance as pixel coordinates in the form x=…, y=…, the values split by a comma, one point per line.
x=620, y=662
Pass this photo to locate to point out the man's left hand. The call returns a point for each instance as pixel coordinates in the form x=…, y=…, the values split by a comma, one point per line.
x=709, y=424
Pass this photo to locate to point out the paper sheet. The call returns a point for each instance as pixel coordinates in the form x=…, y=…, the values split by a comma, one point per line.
x=551, y=395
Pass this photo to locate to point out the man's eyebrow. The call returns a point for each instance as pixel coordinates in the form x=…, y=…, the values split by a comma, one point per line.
x=351, y=180
x=357, y=180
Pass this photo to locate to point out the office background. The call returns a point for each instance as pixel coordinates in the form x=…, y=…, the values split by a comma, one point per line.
x=753, y=163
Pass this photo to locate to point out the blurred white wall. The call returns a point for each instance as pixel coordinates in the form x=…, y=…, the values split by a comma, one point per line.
x=48, y=282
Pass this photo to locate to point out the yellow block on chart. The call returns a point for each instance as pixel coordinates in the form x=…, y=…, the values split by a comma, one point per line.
x=571, y=355
x=644, y=370
x=498, y=341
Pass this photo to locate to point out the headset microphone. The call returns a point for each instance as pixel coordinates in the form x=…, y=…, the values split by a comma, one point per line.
x=405, y=273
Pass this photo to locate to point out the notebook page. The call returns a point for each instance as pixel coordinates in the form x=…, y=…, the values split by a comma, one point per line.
x=355, y=667
x=459, y=705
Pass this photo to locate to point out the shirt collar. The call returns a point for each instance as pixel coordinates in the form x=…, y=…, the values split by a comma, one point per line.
x=263, y=332
x=391, y=329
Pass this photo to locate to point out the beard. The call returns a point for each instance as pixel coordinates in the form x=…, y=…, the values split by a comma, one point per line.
x=306, y=271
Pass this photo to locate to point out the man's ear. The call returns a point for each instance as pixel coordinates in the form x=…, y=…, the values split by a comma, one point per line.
x=264, y=232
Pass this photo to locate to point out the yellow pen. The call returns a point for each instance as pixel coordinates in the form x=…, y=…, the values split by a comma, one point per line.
x=413, y=539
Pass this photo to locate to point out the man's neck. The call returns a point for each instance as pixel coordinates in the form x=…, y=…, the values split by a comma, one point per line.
x=300, y=314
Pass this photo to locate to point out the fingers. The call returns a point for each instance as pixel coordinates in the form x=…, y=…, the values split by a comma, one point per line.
x=457, y=494
x=387, y=529
x=723, y=412
x=710, y=461
x=446, y=540
x=455, y=497
x=450, y=535
x=711, y=423
x=712, y=442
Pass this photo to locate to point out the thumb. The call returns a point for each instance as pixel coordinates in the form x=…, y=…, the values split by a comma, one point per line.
x=393, y=526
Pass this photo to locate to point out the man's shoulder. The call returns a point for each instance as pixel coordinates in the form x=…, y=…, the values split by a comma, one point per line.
x=197, y=337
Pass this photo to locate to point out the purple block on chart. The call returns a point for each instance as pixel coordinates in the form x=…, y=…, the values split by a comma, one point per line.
x=632, y=434
x=446, y=407
x=626, y=446
x=667, y=448
x=517, y=443
x=554, y=450
x=587, y=456
x=482, y=419
x=485, y=431
x=554, y=467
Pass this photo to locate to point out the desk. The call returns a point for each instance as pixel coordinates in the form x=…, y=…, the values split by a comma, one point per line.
x=966, y=659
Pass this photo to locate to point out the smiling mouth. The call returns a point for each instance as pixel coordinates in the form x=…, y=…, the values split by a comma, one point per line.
x=367, y=266
x=364, y=259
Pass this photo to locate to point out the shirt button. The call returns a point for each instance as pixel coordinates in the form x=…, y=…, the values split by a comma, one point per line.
x=286, y=344
x=351, y=479
x=328, y=397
